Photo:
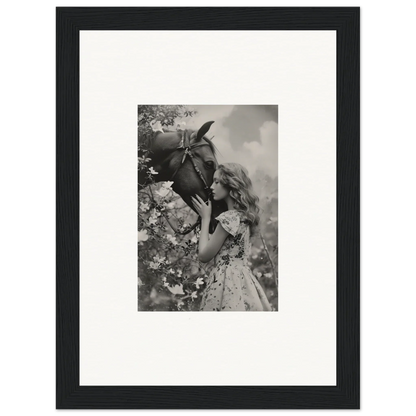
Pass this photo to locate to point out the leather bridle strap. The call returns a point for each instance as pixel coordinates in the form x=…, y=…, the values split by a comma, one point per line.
x=187, y=147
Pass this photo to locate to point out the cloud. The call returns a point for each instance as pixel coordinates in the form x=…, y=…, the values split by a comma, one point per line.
x=264, y=153
x=253, y=155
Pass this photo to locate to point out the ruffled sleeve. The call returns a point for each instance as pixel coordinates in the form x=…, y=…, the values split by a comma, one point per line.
x=230, y=221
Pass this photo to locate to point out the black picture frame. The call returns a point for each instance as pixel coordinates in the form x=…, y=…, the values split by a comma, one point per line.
x=346, y=22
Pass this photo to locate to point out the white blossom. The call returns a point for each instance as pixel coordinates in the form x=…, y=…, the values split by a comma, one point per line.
x=158, y=259
x=167, y=184
x=152, y=171
x=142, y=235
x=153, y=265
x=176, y=290
x=155, y=213
x=162, y=192
x=144, y=206
x=199, y=281
x=171, y=239
x=152, y=220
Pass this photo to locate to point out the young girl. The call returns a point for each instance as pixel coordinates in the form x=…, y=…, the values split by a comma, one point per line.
x=231, y=285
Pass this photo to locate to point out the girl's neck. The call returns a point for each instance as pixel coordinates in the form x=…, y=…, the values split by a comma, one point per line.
x=230, y=204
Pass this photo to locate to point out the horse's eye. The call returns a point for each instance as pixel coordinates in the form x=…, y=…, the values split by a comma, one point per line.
x=209, y=164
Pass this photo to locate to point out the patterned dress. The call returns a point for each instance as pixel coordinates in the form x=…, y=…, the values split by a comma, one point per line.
x=231, y=285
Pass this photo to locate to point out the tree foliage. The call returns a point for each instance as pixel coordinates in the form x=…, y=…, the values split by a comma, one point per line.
x=166, y=115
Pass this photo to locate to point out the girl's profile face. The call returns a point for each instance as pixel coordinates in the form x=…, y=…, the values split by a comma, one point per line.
x=219, y=192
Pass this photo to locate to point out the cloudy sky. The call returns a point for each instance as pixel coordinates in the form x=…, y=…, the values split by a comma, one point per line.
x=246, y=134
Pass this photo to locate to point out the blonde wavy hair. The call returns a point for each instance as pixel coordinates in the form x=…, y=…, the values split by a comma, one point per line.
x=234, y=177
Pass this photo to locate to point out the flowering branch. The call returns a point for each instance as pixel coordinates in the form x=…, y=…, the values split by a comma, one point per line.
x=272, y=264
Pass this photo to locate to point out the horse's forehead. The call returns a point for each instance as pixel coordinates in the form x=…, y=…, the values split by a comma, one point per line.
x=205, y=151
x=167, y=136
x=166, y=140
x=174, y=136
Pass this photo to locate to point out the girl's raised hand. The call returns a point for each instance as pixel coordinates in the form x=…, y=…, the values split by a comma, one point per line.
x=203, y=210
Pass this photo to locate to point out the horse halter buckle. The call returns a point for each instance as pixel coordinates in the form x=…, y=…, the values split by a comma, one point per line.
x=187, y=152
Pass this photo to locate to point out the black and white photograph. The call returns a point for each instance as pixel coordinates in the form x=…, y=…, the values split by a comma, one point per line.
x=208, y=208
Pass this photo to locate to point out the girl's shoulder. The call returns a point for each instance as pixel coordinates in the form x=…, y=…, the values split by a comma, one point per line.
x=231, y=220
x=230, y=214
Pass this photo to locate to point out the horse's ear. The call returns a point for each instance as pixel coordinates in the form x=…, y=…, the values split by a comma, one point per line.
x=203, y=130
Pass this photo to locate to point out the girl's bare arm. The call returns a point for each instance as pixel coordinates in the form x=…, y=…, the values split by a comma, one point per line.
x=209, y=245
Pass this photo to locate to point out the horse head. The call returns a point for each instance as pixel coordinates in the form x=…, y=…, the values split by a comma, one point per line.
x=187, y=158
